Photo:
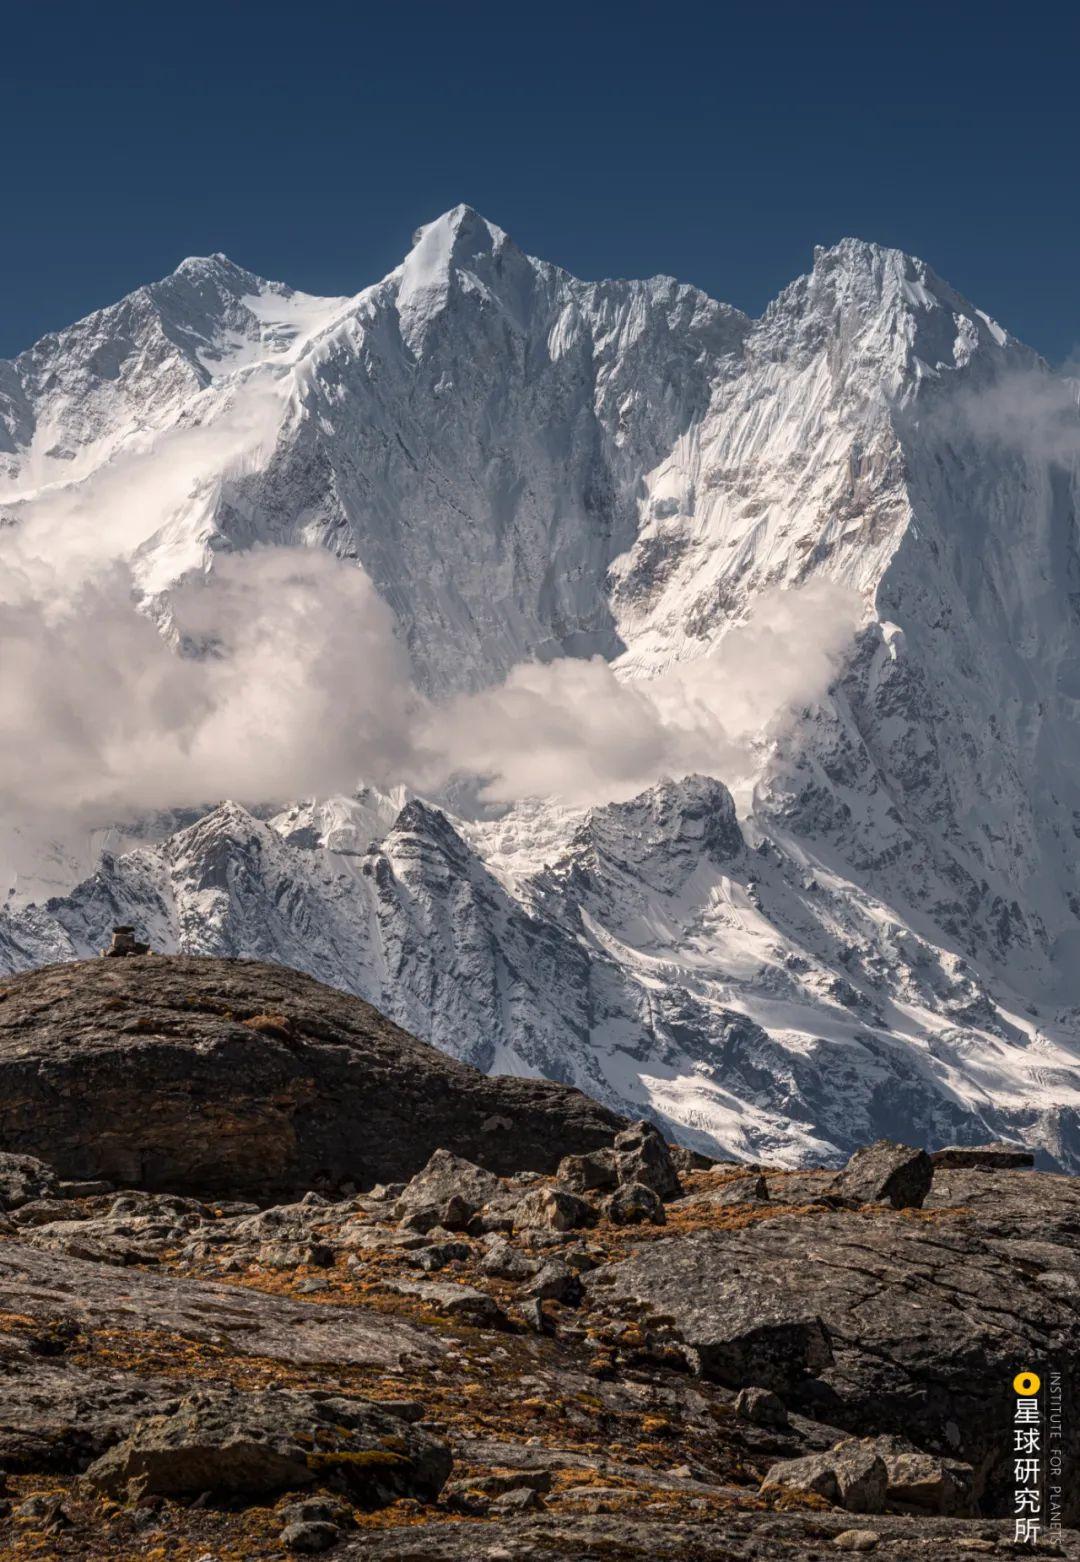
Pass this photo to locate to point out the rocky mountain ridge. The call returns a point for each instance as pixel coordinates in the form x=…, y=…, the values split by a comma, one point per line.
x=531, y=466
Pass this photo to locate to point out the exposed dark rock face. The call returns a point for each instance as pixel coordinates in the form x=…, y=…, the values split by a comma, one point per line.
x=626, y=1359
x=983, y=1157
x=214, y=1076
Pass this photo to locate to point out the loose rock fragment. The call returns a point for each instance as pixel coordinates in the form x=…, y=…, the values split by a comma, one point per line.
x=886, y=1173
x=641, y=1155
x=553, y=1209
x=633, y=1204
x=742, y=1190
x=852, y=1475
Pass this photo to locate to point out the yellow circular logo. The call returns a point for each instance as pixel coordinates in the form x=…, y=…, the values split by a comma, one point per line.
x=1027, y=1384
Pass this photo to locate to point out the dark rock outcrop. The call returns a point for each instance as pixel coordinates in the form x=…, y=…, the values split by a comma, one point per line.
x=24, y=1178
x=983, y=1157
x=214, y=1076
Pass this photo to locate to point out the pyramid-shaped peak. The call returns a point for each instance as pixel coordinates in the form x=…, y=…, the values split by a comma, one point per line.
x=458, y=234
x=199, y=263
x=213, y=268
x=457, y=244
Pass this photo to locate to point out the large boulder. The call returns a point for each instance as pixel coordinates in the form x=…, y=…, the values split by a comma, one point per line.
x=217, y=1076
x=641, y=1155
x=740, y=1328
x=925, y=1483
x=872, y=1474
x=634, y=1204
x=553, y=1209
x=886, y=1173
x=231, y=1443
x=592, y=1173
x=852, y=1475
x=447, y=1192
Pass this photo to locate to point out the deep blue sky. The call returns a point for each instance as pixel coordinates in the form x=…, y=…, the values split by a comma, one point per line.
x=714, y=142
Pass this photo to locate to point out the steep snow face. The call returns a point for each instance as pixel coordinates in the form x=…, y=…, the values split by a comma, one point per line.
x=880, y=938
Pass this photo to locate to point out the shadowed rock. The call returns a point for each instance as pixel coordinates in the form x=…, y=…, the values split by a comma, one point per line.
x=214, y=1076
x=983, y=1157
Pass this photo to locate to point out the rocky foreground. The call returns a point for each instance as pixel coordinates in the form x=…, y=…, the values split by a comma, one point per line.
x=497, y=1323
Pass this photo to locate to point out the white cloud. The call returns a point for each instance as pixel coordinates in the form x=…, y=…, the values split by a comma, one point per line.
x=293, y=683
x=573, y=729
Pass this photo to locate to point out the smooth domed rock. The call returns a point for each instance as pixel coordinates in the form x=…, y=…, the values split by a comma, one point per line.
x=210, y=1076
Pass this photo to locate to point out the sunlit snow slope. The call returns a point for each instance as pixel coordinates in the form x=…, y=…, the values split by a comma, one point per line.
x=882, y=937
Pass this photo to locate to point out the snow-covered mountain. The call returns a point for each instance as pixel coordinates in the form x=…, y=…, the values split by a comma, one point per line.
x=878, y=935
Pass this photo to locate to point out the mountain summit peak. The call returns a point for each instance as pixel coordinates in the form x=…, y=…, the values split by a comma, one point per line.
x=462, y=228
x=458, y=241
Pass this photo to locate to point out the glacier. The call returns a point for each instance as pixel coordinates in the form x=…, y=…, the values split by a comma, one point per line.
x=872, y=932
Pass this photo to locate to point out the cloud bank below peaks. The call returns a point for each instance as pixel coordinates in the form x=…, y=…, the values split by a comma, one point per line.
x=287, y=680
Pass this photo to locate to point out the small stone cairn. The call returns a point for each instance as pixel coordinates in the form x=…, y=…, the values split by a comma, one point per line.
x=124, y=943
